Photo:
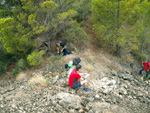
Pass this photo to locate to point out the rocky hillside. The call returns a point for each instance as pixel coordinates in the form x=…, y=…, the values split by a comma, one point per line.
x=115, y=89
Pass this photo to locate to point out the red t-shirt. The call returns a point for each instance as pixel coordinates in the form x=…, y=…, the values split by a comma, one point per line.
x=145, y=64
x=72, y=77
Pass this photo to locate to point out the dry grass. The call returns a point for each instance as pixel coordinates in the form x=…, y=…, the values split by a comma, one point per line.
x=56, y=74
x=37, y=79
x=89, y=68
x=90, y=58
x=21, y=76
x=19, y=94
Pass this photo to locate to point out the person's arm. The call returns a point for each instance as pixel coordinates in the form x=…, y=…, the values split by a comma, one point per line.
x=85, y=74
x=62, y=49
x=58, y=50
x=81, y=79
x=82, y=73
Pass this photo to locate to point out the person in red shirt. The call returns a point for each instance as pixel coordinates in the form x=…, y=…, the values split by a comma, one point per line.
x=75, y=80
x=145, y=67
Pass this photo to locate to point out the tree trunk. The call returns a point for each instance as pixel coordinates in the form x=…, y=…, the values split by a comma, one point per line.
x=118, y=48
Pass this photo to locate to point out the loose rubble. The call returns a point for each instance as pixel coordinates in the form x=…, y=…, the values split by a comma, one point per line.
x=118, y=92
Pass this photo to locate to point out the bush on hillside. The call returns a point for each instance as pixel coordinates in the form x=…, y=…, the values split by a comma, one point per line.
x=6, y=59
x=55, y=64
x=20, y=66
x=140, y=56
x=3, y=67
x=83, y=9
x=35, y=58
x=76, y=35
x=22, y=63
x=5, y=13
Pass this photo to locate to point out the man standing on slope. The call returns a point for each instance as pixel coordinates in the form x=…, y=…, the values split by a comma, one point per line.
x=63, y=44
x=145, y=67
x=75, y=80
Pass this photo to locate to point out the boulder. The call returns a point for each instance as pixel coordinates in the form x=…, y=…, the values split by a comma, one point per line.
x=114, y=73
x=69, y=100
x=127, y=77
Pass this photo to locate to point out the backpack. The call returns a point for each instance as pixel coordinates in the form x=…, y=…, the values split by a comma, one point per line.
x=66, y=66
x=76, y=61
x=66, y=51
x=148, y=64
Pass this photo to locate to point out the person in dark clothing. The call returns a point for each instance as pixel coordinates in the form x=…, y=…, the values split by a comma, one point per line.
x=63, y=44
x=145, y=67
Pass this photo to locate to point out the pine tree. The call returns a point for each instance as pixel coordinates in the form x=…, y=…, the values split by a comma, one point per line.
x=110, y=19
x=34, y=24
x=144, y=19
x=16, y=38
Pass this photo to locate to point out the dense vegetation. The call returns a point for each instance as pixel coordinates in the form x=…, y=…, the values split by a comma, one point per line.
x=28, y=28
x=123, y=25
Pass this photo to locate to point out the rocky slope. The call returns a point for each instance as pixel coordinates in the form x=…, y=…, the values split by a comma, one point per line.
x=115, y=89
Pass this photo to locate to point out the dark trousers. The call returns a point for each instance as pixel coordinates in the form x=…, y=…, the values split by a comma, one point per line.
x=65, y=52
x=147, y=72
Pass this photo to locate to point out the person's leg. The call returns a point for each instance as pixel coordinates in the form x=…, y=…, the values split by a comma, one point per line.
x=141, y=70
x=84, y=83
x=57, y=50
x=65, y=51
x=147, y=72
x=76, y=85
x=66, y=46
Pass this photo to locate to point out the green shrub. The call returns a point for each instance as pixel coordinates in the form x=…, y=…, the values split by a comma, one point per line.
x=20, y=66
x=5, y=13
x=76, y=35
x=36, y=58
x=6, y=59
x=83, y=9
x=3, y=67
x=141, y=56
x=55, y=64
x=16, y=71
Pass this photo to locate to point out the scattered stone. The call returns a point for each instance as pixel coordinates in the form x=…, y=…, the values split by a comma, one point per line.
x=61, y=102
x=127, y=77
x=114, y=73
x=117, y=92
x=72, y=111
x=55, y=79
x=90, y=99
x=1, y=98
x=71, y=100
x=97, y=97
x=1, y=106
x=14, y=106
x=81, y=111
x=122, y=91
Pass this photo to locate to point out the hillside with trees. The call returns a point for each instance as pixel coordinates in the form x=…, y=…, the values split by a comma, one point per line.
x=29, y=27
x=111, y=37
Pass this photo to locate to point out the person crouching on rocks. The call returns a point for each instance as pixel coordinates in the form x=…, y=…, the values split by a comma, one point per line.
x=145, y=67
x=63, y=44
x=75, y=80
